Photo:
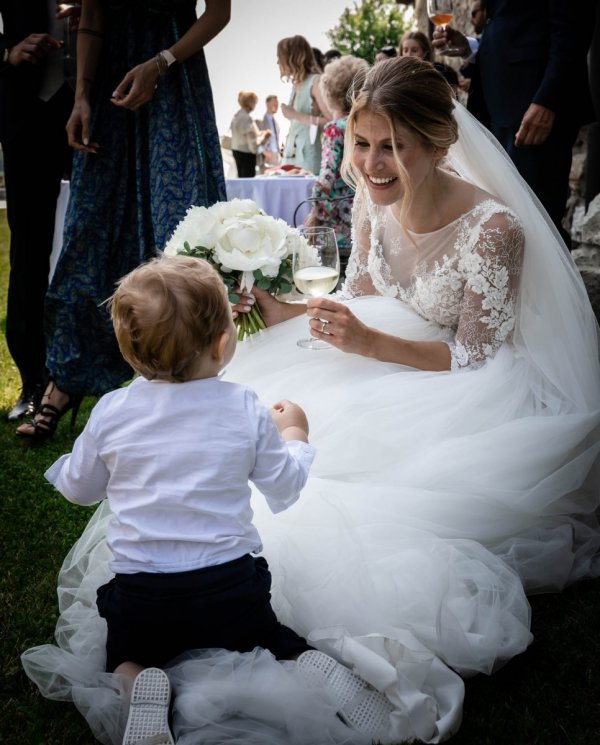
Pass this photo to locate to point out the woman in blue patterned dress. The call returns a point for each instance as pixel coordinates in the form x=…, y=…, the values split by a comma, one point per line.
x=144, y=128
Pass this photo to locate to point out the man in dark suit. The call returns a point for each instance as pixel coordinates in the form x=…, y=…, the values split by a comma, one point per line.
x=35, y=103
x=532, y=68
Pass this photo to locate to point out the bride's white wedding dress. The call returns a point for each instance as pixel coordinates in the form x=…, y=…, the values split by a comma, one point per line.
x=435, y=500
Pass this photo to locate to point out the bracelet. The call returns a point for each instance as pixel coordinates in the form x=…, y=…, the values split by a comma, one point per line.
x=164, y=60
x=91, y=32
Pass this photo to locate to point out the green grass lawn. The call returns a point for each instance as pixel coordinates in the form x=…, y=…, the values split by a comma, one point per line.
x=548, y=696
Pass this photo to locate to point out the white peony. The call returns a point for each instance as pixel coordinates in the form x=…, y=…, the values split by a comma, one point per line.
x=200, y=227
x=236, y=208
x=239, y=240
x=250, y=243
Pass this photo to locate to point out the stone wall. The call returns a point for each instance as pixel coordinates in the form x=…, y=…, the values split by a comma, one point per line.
x=584, y=224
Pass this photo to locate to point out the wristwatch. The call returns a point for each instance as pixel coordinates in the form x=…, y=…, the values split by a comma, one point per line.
x=168, y=56
x=6, y=54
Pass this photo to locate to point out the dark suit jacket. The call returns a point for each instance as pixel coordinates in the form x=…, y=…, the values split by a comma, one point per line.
x=535, y=51
x=19, y=86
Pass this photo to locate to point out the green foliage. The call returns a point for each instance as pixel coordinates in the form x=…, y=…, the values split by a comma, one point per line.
x=246, y=323
x=367, y=27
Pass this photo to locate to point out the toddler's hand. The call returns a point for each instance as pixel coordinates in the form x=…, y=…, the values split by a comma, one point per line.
x=288, y=415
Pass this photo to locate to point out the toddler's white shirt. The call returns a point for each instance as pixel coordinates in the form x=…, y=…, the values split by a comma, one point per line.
x=174, y=461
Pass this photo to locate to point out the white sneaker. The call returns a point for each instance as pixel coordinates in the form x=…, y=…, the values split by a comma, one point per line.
x=148, y=721
x=360, y=705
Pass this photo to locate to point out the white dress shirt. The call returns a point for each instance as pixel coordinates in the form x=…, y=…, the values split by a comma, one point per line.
x=174, y=461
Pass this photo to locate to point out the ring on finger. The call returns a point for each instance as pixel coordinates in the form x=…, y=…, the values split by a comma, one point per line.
x=323, y=327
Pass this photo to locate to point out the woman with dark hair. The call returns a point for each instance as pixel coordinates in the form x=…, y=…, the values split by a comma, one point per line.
x=307, y=110
x=385, y=53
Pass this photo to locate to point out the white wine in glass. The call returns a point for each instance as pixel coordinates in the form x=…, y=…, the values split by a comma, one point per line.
x=316, y=270
x=441, y=13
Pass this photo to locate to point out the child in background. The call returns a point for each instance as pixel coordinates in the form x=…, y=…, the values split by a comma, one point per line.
x=173, y=453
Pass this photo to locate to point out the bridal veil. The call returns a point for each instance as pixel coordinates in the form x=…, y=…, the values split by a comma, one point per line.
x=435, y=502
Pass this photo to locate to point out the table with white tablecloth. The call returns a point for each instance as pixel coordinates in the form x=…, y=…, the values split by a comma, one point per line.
x=278, y=196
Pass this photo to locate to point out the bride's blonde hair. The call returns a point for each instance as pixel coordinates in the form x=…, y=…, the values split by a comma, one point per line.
x=407, y=92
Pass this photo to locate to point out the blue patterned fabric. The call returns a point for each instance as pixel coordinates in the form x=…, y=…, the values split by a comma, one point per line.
x=126, y=200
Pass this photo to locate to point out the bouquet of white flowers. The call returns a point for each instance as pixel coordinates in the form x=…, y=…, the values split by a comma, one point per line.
x=246, y=247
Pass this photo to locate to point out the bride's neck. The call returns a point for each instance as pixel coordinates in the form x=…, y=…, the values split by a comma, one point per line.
x=436, y=202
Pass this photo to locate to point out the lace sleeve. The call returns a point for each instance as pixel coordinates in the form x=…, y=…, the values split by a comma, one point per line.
x=358, y=280
x=492, y=270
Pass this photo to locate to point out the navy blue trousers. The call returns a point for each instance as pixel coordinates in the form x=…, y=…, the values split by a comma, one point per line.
x=153, y=618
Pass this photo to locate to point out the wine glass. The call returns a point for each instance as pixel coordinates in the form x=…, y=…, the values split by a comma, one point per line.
x=316, y=269
x=441, y=13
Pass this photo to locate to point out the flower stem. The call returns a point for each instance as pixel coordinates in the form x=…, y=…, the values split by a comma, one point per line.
x=249, y=323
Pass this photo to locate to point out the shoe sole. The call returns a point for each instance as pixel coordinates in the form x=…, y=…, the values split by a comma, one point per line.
x=360, y=706
x=148, y=720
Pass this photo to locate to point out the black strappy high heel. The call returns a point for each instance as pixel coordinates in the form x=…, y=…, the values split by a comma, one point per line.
x=49, y=417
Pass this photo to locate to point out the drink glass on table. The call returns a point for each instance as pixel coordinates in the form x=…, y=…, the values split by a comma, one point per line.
x=316, y=270
x=441, y=13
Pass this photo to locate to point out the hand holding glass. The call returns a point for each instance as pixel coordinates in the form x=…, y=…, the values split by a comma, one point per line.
x=316, y=270
x=441, y=13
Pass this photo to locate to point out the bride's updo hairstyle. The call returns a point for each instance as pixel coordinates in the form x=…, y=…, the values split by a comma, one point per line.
x=407, y=92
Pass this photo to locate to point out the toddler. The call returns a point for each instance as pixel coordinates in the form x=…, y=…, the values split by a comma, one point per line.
x=173, y=453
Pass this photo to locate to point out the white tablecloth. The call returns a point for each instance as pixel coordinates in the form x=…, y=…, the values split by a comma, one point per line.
x=278, y=196
x=59, y=221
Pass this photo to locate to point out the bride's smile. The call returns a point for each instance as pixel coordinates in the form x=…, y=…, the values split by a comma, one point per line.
x=373, y=156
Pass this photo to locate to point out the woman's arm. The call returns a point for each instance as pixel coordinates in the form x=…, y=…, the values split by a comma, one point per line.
x=89, y=45
x=272, y=310
x=137, y=87
x=487, y=311
x=336, y=324
x=319, y=119
x=488, y=306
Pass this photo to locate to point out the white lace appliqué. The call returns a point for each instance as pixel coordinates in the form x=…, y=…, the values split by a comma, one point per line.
x=464, y=277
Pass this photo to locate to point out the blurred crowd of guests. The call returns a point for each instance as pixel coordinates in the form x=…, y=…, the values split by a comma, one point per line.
x=148, y=123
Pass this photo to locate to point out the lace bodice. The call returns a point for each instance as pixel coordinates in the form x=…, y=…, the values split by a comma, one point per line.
x=463, y=276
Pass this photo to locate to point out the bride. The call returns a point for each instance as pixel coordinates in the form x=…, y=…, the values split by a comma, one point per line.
x=456, y=419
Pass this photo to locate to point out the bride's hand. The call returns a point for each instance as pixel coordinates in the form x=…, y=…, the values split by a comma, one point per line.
x=272, y=310
x=244, y=304
x=334, y=323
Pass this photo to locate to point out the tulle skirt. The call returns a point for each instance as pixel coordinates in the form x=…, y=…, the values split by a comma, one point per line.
x=435, y=502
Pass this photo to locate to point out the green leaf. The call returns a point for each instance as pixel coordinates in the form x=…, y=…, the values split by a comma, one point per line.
x=363, y=30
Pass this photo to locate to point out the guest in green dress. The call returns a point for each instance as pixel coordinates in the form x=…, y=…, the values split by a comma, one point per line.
x=307, y=110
